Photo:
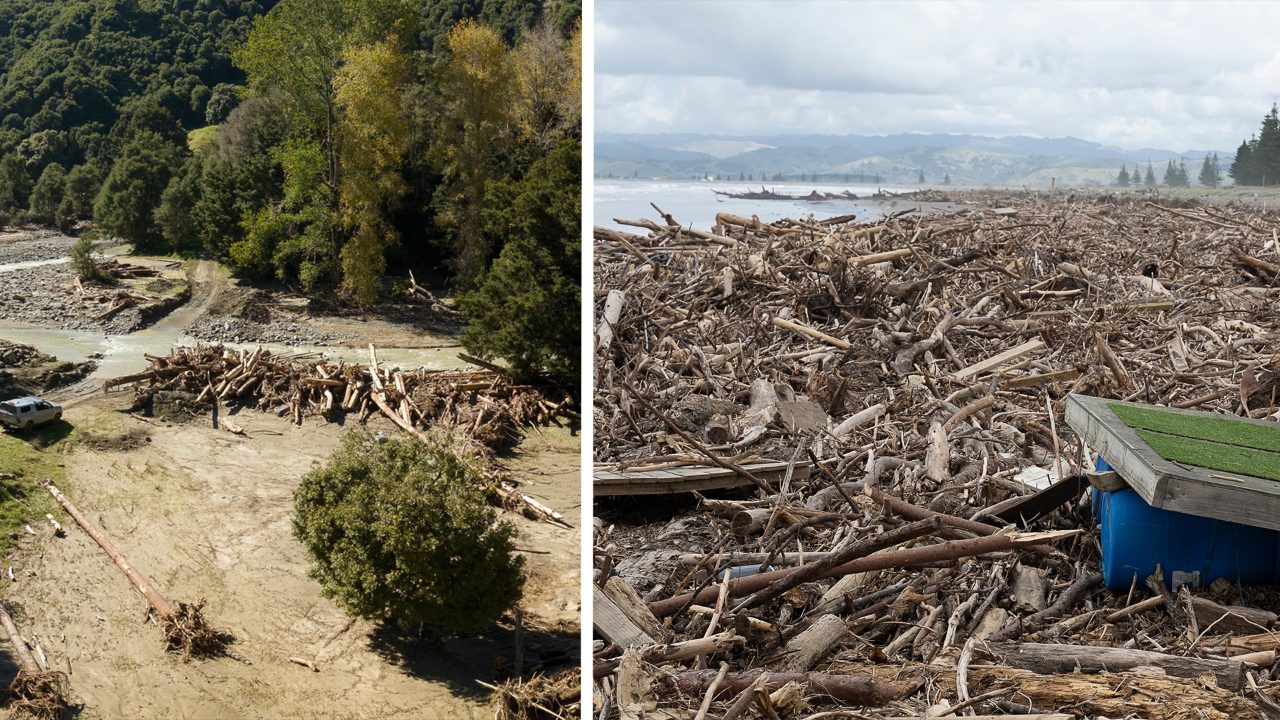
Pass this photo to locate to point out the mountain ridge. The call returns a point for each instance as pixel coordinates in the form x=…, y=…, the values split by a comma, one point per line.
x=900, y=157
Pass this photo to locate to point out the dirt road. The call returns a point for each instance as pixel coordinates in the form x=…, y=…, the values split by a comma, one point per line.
x=206, y=515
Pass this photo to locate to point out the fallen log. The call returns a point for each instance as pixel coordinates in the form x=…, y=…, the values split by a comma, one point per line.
x=1116, y=695
x=1048, y=659
x=184, y=626
x=878, y=561
x=36, y=693
x=849, y=689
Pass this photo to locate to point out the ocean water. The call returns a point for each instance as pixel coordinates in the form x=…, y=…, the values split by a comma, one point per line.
x=695, y=204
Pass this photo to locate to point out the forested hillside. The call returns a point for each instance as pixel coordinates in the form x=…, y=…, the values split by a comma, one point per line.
x=316, y=143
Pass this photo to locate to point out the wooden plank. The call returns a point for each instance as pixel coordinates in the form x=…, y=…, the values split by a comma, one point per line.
x=613, y=624
x=1022, y=381
x=691, y=472
x=1135, y=305
x=1120, y=445
x=1033, y=507
x=1000, y=359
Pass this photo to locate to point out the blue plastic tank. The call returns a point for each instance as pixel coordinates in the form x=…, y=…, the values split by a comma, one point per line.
x=1191, y=550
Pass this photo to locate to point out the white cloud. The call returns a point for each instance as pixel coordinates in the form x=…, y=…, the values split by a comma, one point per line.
x=1171, y=75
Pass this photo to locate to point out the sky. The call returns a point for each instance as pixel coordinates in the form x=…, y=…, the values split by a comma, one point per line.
x=1175, y=76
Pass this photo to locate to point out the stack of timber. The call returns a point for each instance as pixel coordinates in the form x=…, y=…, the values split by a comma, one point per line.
x=926, y=548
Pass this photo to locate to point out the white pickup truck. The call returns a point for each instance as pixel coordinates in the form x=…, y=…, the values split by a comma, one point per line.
x=25, y=413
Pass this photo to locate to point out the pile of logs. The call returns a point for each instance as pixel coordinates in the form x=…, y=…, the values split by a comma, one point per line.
x=482, y=402
x=487, y=409
x=915, y=369
x=113, y=268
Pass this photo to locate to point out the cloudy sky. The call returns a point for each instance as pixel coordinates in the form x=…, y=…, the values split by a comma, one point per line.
x=1166, y=75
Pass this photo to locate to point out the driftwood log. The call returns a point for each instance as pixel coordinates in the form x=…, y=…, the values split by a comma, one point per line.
x=185, y=628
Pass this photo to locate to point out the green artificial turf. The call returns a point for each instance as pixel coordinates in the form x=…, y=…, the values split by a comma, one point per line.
x=1213, y=455
x=1224, y=430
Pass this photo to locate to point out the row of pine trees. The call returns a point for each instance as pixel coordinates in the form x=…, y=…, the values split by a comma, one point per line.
x=1175, y=175
x=1258, y=158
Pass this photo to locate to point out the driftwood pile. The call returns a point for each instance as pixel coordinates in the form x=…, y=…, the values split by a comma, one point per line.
x=113, y=268
x=931, y=196
x=36, y=691
x=915, y=369
x=557, y=696
x=482, y=405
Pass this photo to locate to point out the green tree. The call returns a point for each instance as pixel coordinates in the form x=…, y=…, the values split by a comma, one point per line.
x=374, y=139
x=83, y=263
x=1241, y=170
x=476, y=86
x=1150, y=180
x=126, y=204
x=222, y=100
x=15, y=184
x=525, y=308
x=1266, y=152
x=920, y=179
x=46, y=196
x=239, y=175
x=173, y=216
x=548, y=104
x=1122, y=180
x=401, y=529
x=323, y=61
x=82, y=184
x=1210, y=172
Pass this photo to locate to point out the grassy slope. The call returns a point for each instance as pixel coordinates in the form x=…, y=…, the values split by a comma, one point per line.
x=22, y=500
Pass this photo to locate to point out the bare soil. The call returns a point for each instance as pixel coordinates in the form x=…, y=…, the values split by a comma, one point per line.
x=206, y=515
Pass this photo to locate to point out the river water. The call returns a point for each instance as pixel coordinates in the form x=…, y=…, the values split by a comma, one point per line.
x=693, y=203
x=125, y=354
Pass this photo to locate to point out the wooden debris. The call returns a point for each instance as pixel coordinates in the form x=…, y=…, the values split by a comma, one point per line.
x=35, y=692
x=941, y=348
x=185, y=628
x=486, y=408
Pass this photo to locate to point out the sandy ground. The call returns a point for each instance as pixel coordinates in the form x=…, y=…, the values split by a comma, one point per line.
x=206, y=515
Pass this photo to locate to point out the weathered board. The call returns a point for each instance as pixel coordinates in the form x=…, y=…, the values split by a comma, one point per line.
x=689, y=479
x=609, y=620
x=1205, y=492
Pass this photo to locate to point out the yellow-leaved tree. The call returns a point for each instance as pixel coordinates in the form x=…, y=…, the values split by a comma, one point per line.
x=374, y=135
x=549, y=85
x=477, y=85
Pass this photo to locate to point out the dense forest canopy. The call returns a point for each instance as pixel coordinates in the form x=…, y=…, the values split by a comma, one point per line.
x=315, y=143
x=68, y=69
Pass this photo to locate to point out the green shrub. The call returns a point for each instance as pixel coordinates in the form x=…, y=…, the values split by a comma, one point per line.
x=82, y=261
x=401, y=529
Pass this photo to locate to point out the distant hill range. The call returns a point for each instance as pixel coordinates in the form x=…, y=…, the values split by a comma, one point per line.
x=895, y=159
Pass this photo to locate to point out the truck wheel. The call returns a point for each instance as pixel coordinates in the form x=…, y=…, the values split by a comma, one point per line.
x=57, y=417
x=27, y=427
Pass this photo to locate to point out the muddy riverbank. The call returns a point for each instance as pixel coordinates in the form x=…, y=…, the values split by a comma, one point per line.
x=206, y=515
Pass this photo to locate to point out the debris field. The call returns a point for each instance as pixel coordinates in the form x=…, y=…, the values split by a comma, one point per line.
x=487, y=411
x=867, y=415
